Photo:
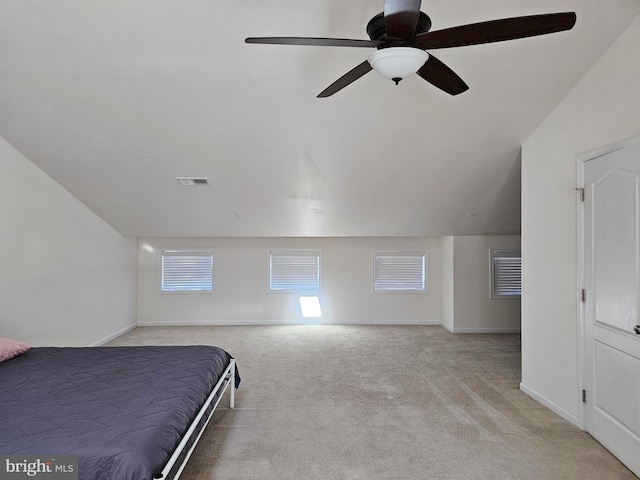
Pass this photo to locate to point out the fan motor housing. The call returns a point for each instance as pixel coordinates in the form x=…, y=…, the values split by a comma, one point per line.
x=376, y=28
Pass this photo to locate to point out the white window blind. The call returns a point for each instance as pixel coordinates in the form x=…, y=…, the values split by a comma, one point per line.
x=186, y=271
x=399, y=271
x=294, y=270
x=506, y=273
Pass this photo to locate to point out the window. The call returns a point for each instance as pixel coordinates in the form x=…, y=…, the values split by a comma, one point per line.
x=294, y=271
x=399, y=271
x=506, y=273
x=186, y=271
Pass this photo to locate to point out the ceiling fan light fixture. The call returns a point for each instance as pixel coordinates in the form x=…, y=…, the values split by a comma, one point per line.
x=397, y=63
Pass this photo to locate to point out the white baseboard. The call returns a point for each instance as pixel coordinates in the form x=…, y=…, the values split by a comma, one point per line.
x=387, y=322
x=484, y=330
x=222, y=323
x=480, y=330
x=448, y=327
x=114, y=335
x=569, y=417
x=209, y=324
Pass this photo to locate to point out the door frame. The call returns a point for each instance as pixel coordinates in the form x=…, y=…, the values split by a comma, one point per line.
x=581, y=161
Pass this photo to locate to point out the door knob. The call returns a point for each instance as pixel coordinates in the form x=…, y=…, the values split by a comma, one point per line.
x=637, y=329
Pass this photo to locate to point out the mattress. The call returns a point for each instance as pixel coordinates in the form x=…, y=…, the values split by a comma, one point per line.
x=122, y=410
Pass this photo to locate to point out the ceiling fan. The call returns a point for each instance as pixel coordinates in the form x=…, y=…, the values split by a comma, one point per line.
x=401, y=35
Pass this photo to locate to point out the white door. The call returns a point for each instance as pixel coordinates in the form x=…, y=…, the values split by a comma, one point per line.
x=612, y=301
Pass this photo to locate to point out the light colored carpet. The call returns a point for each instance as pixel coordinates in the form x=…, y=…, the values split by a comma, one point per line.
x=380, y=402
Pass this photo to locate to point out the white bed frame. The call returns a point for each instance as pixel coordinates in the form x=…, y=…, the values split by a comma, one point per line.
x=228, y=378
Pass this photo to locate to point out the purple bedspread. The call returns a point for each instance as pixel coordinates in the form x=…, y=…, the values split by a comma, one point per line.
x=122, y=410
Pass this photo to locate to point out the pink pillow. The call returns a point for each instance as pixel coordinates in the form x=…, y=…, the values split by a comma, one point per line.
x=11, y=348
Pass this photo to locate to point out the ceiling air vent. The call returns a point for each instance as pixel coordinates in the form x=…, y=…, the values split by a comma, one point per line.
x=192, y=181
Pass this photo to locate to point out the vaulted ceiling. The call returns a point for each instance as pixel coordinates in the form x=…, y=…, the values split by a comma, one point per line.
x=116, y=98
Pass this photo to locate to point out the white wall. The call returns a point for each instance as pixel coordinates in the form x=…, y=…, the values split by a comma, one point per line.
x=241, y=283
x=66, y=277
x=467, y=305
x=603, y=108
x=447, y=308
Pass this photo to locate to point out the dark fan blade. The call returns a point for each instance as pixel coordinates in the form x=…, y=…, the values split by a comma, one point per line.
x=439, y=75
x=401, y=18
x=497, y=30
x=321, y=42
x=349, y=77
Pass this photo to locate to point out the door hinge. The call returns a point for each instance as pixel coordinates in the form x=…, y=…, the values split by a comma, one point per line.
x=584, y=396
x=581, y=192
x=583, y=295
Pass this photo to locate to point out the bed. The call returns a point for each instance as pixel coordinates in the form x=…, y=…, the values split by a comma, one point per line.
x=130, y=413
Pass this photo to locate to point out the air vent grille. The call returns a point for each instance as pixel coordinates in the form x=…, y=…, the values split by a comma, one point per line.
x=192, y=181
